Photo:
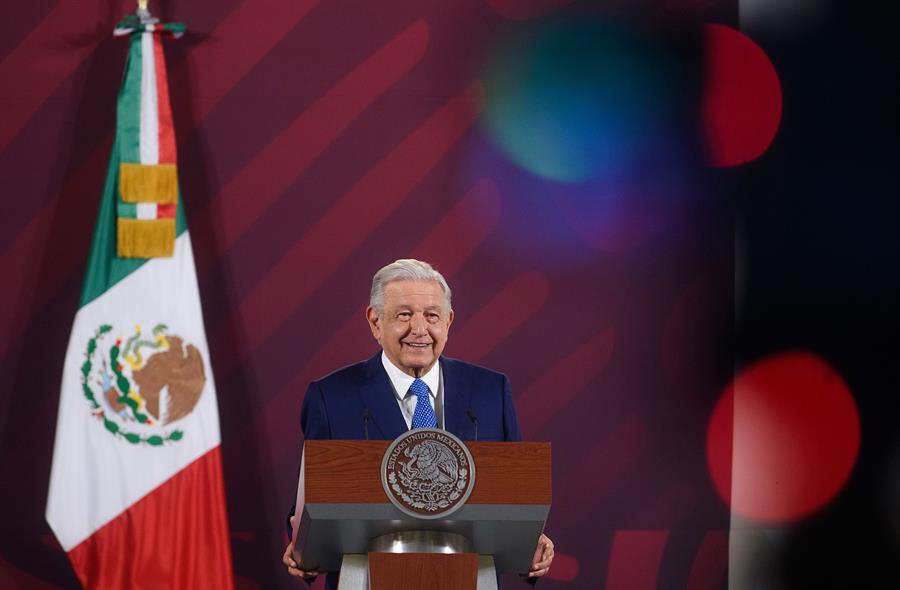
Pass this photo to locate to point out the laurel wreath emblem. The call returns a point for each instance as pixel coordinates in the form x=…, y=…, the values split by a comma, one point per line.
x=97, y=410
x=427, y=496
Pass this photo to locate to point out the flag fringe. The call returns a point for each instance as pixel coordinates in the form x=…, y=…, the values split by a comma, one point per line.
x=145, y=238
x=153, y=183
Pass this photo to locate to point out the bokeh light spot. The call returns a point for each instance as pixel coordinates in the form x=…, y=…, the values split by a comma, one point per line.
x=742, y=98
x=576, y=101
x=783, y=438
x=589, y=127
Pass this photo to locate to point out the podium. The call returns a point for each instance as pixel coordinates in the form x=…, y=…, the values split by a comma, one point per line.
x=346, y=520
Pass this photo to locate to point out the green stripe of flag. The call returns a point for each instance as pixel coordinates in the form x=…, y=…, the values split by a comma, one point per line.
x=104, y=268
x=128, y=114
x=127, y=210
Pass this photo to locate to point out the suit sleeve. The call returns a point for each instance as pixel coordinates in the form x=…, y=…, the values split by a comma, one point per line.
x=314, y=414
x=510, y=422
x=314, y=424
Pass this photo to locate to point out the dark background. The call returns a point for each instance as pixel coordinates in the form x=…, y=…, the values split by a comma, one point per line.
x=321, y=140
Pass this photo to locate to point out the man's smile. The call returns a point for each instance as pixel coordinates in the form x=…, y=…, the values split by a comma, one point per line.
x=412, y=325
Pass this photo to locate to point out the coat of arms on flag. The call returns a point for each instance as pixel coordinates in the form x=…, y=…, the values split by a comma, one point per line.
x=139, y=385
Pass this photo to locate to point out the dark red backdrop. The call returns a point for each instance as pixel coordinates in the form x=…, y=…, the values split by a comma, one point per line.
x=320, y=140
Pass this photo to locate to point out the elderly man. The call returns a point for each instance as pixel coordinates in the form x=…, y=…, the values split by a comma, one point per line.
x=409, y=384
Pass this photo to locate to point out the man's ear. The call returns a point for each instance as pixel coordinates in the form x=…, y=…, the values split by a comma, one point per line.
x=374, y=323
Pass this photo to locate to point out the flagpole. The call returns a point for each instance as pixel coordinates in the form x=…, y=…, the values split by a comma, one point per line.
x=144, y=13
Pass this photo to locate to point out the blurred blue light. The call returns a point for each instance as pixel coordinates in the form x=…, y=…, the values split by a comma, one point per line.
x=574, y=102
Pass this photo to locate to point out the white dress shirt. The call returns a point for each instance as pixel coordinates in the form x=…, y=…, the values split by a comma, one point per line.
x=406, y=399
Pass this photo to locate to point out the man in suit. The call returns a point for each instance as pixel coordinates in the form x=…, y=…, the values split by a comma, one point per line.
x=409, y=384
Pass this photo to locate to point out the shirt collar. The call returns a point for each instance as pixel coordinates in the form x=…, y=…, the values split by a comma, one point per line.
x=401, y=381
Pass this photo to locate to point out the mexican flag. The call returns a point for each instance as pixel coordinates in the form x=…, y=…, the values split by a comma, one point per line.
x=136, y=496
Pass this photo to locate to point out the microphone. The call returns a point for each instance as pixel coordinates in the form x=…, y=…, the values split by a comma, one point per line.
x=365, y=417
x=474, y=420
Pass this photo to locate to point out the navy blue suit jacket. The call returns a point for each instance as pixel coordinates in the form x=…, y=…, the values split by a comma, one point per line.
x=334, y=406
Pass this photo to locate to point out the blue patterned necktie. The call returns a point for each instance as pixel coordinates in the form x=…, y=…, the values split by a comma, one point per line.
x=424, y=416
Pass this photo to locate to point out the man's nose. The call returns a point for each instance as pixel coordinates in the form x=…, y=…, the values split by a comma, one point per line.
x=418, y=325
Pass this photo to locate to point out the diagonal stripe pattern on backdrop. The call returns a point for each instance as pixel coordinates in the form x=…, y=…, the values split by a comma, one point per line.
x=338, y=233
x=482, y=200
x=259, y=184
x=272, y=20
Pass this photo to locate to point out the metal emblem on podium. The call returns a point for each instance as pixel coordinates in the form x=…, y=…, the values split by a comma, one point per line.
x=428, y=473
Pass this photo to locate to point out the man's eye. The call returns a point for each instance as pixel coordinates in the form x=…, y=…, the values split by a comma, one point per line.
x=433, y=317
x=404, y=315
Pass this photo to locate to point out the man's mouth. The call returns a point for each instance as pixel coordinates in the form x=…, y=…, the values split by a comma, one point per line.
x=418, y=344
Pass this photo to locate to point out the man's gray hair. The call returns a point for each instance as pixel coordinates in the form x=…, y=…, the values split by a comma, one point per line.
x=405, y=269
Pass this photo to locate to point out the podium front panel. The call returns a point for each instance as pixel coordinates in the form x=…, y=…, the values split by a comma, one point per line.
x=342, y=504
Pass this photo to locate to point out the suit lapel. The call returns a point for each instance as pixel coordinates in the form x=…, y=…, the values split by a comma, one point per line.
x=378, y=396
x=457, y=396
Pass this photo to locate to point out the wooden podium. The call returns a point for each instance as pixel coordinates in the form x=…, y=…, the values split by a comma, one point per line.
x=346, y=521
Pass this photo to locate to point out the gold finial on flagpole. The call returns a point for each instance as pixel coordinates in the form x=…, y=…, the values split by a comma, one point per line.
x=144, y=13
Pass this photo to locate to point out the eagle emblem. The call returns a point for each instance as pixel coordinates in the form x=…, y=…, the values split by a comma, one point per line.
x=428, y=473
x=140, y=384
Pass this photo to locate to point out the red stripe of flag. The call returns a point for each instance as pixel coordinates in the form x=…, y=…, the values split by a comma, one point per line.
x=165, y=211
x=164, y=108
x=156, y=542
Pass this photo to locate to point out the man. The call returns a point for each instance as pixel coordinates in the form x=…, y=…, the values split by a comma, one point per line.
x=409, y=384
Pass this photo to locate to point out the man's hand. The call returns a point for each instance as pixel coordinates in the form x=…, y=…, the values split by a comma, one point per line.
x=543, y=557
x=288, y=560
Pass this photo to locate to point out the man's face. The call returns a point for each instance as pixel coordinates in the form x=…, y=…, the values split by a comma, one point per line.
x=412, y=329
